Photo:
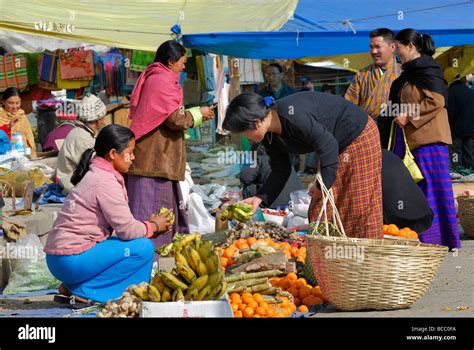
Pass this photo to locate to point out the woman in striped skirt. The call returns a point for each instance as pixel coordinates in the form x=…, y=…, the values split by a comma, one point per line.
x=420, y=95
x=343, y=136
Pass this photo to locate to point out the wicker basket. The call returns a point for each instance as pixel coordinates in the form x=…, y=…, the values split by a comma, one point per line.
x=379, y=274
x=372, y=274
x=466, y=214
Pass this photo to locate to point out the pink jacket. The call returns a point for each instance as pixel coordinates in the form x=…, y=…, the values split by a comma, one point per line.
x=96, y=207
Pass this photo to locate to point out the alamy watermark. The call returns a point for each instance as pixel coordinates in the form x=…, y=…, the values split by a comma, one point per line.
x=14, y=251
x=347, y=252
x=231, y=156
x=390, y=109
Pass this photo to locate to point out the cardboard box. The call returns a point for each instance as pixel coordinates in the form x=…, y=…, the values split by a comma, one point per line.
x=187, y=309
x=166, y=264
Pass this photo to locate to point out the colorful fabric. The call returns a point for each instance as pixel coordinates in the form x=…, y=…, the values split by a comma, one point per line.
x=205, y=69
x=155, y=96
x=100, y=80
x=370, y=88
x=77, y=64
x=141, y=60
x=60, y=133
x=32, y=67
x=104, y=271
x=147, y=195
x=49, y=67
x=13, y=72
x=250, y=71
x=433, y=161
x=358, y=187
x=22, y=126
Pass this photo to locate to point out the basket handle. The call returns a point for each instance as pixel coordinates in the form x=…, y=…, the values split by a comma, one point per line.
x=328, y=196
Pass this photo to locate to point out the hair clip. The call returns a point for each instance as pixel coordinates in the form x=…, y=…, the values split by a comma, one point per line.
x=269, y=101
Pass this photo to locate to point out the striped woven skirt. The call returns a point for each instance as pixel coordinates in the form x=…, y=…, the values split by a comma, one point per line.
x=147, y=195
x=358, y=186
x=433, y=161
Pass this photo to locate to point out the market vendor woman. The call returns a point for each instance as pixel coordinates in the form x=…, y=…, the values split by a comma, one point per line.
x=345, y=139
x=81, y=251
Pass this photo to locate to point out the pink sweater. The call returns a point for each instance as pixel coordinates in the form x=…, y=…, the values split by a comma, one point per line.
x=96, y=207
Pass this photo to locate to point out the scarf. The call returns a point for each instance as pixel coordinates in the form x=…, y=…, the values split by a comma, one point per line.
x=22, y=126
x=153, y=100
x=422, y=72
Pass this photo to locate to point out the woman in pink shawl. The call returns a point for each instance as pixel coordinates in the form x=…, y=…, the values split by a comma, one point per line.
x=158, y=122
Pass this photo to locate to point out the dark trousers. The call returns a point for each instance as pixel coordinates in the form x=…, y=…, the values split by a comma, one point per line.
x=462, y=151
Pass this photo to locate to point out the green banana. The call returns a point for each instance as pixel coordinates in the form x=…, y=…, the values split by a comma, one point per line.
x=191, y=294
x=172, y=281
x=203, y=292
x=215, y=279
x=153, y=293
x=213, y=263
x=166, y=295
x=157, y=281
x=141, y=292
x=193, y=258
x=186, y=272
x=199, y=283
x=202, y=269
x=205, y=250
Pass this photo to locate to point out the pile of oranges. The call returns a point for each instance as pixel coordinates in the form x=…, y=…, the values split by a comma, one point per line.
x=229, y=253
x=393, y=230
x=250, y=305
x=303, y=293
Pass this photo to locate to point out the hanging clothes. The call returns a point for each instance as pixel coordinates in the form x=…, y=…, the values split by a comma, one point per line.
x=250, y=71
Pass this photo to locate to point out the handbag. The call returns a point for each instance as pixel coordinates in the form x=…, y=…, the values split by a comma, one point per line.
x=408, y=159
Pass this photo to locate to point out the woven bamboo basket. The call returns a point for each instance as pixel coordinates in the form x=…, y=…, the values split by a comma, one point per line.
x=378, y=274
x=466, y=214
x=371, y=274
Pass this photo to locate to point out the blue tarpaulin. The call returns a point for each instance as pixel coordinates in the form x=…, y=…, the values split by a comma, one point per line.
x=327, y=27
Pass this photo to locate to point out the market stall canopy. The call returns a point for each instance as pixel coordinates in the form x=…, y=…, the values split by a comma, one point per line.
x=140, y=24
x=327, y=27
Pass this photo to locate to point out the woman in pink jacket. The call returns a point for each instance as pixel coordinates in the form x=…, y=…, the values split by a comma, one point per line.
x=81, y=251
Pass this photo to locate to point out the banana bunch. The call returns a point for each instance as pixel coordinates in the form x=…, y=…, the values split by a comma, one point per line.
x=240, y=212
x=178, y=240
x=198, y=275
x=170, y=215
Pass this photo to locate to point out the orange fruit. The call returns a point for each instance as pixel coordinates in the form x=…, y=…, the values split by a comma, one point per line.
x=244, y=246
x=242, y=307
x=270, y=311
x=303, y=293
x=293, y=291
x=246, y=294
x=228, y=253
x=292, y=308
x=385, y=228
x=264, y=304
x=237, y=301
x=294, y=251
x=256, y=316
x=285, y=245
x=251, y=240
x=235, y=307
x=284, y=284
x=234, y=296
x=253, y=304
x=238, y=314
x=312, y=301
x=225, y=262
x=296, y=301
x=240, y=242
x=292, y=276
x=258, y=297
x=316, y=291
x=248, y=312
x=279, y=315
x=274, y=281
x=392, y=230
x=303, y=308
x=261, y=311
x=247, y=299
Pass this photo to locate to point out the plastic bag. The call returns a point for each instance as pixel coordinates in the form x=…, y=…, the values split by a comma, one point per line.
x=300, y=201
x=28, y=266
x=200, y=221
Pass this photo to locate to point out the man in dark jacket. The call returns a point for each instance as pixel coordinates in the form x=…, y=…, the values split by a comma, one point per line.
x=461, y=119
x=253, y=178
